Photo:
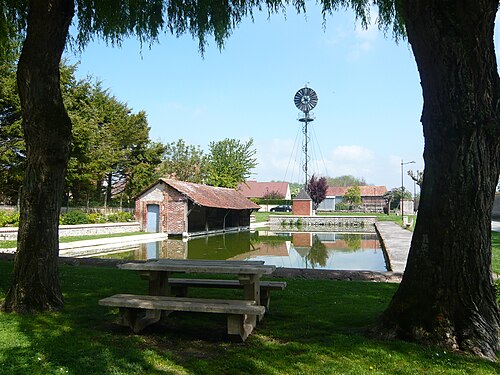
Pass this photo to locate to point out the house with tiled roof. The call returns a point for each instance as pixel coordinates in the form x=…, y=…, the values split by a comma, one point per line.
x=372, y=198
x=258, y=189
x=178, y=207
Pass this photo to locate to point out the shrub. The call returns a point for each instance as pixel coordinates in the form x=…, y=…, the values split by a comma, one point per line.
x=120, y=217
x=96, y=218
x=341, y=206
x=9, y=218
x=74, y=217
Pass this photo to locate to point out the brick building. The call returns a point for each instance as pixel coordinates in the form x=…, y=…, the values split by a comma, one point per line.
x=302, y=204
x=177, y=207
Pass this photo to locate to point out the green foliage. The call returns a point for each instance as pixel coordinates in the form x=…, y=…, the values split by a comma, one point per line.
x=318, y=254
x=96, y=218
x=393, y=197
x=9, y=218
x=295, y=188
x=74, y=217
x=12, y=150
x=183, y=162
x=346, y=180
x=120, y=217
x=108, y=140
x=115, y=20
x=230, y=162
x=353, y=241
x=352, y=196
x=341, y=206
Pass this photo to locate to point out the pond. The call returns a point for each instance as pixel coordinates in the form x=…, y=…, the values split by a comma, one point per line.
x=321, y=250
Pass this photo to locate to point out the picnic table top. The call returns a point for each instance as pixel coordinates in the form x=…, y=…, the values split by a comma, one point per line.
x=202, y=266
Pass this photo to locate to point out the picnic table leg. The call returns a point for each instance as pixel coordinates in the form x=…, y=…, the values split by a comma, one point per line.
x=158, y=286
x=239, y=327
x=251, y=288
x=129, y=317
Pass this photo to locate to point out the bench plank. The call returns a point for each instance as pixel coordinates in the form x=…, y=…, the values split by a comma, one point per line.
x=180, y=286
x=221, y=306
x=241, y=314
x=212, y=283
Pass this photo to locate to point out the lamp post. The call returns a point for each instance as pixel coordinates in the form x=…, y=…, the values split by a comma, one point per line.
x=403, y=187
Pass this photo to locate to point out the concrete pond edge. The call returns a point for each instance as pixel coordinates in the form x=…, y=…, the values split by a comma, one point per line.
x=281, y=272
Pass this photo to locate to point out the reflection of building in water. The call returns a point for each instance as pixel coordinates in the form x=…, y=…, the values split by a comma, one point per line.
x=172, y=249
x=303, y=239
x=266, y=249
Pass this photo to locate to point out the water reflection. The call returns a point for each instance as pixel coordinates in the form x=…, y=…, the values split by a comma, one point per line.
x=325, y=250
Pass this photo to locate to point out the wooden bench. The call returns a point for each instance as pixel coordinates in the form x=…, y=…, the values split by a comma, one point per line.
x=179, y=287
x=241, y=314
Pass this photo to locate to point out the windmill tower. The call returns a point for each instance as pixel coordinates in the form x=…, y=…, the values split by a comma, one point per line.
x=305, y=100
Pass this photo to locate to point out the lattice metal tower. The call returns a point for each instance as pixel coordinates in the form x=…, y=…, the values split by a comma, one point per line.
x=305, y=100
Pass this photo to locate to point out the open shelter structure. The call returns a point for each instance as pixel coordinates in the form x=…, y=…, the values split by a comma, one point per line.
x=185, y=208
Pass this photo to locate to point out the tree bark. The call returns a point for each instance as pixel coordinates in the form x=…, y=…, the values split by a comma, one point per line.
x=447, y=295
x=47, y=132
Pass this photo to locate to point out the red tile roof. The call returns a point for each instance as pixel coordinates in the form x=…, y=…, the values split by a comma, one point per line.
x=366, y=191
x=210, y=196
x=254, y=189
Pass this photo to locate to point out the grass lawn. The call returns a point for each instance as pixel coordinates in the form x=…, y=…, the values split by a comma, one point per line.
x=9, y=244
x=495, y=260
x=314, y=327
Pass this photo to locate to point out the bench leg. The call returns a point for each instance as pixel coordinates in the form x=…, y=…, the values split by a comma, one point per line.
x=129, y=317
x=264, y=298
x=251, y=289
x=239, y=327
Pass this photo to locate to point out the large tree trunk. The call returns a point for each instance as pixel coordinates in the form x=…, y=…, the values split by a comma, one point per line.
x=47, y=132
x=447, y=295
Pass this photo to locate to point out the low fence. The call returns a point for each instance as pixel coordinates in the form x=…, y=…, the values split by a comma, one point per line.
x=324, y=223
x=10, y=233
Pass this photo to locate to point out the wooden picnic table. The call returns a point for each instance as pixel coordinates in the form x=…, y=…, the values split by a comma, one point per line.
x=242, y=315
x=159, y=271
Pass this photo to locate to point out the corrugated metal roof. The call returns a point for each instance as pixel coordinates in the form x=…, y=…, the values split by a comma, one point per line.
x=210, y=196
x=366, y=191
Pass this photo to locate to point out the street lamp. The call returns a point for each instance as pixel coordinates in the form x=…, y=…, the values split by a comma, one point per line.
x=403, y=187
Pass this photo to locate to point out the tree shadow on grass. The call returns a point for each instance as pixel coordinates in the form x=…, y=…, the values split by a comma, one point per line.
x=314, y=326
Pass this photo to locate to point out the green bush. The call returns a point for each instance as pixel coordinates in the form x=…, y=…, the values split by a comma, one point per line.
x=120, y=217
x=74, y=217
x=341, y=206
x=9, y=218
x=96, y=218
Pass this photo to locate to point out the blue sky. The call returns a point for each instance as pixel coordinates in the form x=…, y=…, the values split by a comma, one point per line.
x=367, y=117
